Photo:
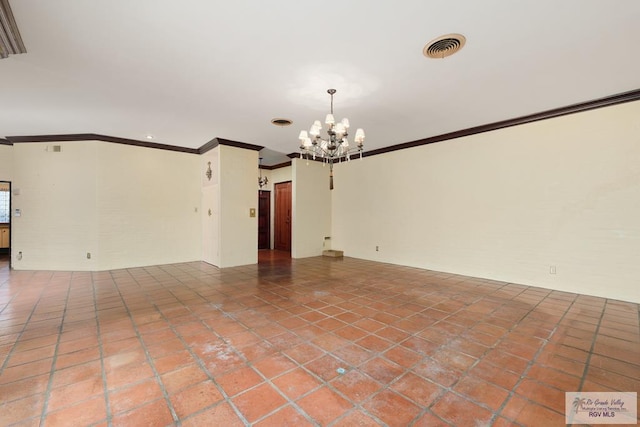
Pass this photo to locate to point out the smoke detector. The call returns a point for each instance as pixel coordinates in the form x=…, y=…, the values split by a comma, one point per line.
x=444, y=46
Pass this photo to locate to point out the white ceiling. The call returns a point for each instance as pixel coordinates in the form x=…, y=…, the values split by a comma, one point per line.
x=188, y=71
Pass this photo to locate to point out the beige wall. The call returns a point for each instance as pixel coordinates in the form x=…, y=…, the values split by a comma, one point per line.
x=311, y=199
x=210, y=213
x=238, y=194
x=147, y=205
x=6, y=162
x=507, y=204
x=130, y=206
x=126, y=205
x=58, y=224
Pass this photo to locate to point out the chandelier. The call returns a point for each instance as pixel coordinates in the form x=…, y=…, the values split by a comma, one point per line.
x=336, y=146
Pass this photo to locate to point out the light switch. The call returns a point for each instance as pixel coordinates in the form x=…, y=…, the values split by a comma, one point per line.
x=252, y=212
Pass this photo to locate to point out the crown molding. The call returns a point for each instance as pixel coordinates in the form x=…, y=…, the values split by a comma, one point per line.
x=278, y=166
x=97, y=137
x=10, y=140
x=221, y=141
x=608, y=101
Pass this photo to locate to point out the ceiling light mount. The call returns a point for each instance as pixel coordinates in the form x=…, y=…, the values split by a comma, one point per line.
x=444, y=46
x=333, y=148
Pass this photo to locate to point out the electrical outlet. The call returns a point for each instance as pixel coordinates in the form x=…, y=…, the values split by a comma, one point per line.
x=88, y=255
x=552, y=269
x=377, y=248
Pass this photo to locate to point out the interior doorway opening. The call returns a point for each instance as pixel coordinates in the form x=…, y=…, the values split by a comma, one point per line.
x=282, y=214
x=264, y=219
x=5, y=222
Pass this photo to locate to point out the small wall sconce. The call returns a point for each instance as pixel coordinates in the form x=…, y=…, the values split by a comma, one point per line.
x=262, y=181
x=209, y=173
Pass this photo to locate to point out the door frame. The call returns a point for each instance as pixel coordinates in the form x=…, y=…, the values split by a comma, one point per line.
x=275, y=214
x=268, y=215
x=10, y=222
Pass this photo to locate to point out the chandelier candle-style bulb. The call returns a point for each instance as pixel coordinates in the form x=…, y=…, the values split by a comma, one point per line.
x=335, y=146
x=330, y=120
x=316, y=127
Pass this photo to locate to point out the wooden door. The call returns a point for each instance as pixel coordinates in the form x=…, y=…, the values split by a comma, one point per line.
x=282, y=223
x=264, y=219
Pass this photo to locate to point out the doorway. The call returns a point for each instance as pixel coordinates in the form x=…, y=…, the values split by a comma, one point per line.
x=5, y=222
x=282, y=213
x=264, y=219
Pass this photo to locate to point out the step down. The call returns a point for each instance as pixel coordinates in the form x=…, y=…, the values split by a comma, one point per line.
x=333, y=253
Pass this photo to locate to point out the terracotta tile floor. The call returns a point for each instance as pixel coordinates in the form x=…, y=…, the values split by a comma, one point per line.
x=316, y=341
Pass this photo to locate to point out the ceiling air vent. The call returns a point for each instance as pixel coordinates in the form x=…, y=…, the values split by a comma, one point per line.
x=444, y=46
x=281, y=122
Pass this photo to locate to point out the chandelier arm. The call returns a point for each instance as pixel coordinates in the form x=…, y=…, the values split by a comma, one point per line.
x=319, y=150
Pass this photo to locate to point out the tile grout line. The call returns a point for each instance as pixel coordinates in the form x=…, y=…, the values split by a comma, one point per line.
x=450, y=388
x=532, y=360
x=24, y=328
x=527, y=288
x=179, y=284
x=55, y=355
x=587, y=362
x=374, y=354
x=204, y=369
x=227, y=398
x=415, y=334
x=148, y=357
x=268, y=380
x=196, y=358
x=103, y=370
